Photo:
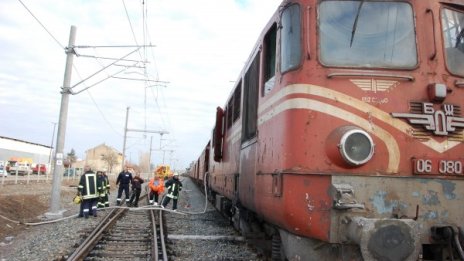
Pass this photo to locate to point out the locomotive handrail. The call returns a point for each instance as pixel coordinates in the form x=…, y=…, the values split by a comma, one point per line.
x=345, y=74
x=432, y=56
x=308, y=24
x=459, y=83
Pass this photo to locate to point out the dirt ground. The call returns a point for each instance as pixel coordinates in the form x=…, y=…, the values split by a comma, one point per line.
x=26, y=203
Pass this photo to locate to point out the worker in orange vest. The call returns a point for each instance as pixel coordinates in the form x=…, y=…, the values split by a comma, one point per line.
x=156, y=187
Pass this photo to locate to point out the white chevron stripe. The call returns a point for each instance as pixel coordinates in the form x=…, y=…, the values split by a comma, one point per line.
x=374, y=112
x=309, y=104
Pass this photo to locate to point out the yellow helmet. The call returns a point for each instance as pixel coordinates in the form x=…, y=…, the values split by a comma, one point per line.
x=77, y=199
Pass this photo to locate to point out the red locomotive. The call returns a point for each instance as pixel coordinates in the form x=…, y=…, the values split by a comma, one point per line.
x=343, y=137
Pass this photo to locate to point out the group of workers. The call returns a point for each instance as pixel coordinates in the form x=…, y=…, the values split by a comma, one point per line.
x=94, y=190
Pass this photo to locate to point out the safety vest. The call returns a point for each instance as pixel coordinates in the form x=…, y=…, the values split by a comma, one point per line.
x=104, y=187
x=173, y=188
x=88, y=185
x=156, y=185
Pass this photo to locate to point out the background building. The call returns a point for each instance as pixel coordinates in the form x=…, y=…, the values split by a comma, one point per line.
x=104, y=157
x=15, y=150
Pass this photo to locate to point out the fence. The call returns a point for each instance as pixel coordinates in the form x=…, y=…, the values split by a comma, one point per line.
x=15, y=178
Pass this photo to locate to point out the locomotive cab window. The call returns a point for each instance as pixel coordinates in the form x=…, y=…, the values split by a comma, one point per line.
x=233, y=106
x=237, y=101
x=367, y=34
x=290, y=34
x=229, y=111
x=250, y=100
x=453, y=33
x=270, y=59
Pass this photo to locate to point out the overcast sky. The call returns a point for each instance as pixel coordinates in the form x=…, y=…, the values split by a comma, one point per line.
x=199, y=49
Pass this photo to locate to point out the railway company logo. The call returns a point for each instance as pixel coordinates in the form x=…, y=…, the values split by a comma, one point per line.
x=374, y=85
x=441, y=122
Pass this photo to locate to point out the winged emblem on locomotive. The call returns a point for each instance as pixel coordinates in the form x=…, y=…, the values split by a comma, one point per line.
x=441, y=122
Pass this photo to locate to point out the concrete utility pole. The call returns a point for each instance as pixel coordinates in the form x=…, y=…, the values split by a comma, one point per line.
x=55, y=205
x=135, y=130
x=125, y=137
x=51, y=146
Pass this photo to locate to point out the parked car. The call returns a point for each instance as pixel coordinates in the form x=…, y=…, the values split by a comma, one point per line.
x=39, y=167
x=69, y=172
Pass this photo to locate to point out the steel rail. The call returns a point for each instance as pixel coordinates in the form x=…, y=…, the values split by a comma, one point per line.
x=156, y=243
x=89, y=243
x=154, y=247
x=162, y=237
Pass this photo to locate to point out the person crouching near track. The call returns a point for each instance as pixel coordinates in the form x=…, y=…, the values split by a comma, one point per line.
x=88, y=189
x=136, y=189
x=124, y=179
x=156, y=187
x=174, y=186
x=104, y=190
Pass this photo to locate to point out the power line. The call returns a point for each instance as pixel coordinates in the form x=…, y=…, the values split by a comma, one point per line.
x=103, y=115
x=43, y=26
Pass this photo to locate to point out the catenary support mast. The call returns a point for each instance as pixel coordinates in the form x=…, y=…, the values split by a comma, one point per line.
x=55, y=205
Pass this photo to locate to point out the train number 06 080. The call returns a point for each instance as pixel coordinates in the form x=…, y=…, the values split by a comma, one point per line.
x=439, y=166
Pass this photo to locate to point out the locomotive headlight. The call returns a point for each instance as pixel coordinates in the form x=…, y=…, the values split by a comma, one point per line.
x=356, y=147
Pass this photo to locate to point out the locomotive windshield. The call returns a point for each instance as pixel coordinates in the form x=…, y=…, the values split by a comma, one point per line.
x=367, y=34
x=453, y=33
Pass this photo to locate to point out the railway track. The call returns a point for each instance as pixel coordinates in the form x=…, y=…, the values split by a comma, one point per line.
x=125, y=234
x=131, y=233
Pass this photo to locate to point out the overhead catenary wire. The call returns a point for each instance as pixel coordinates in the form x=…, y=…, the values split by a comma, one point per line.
x=146, y=43
x=144, y=58
x=103, y=115
x=97, y=72
x=42, y=25
x=108, y=58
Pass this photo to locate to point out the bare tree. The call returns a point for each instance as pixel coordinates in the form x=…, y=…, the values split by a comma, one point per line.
x=71, y=157
x=111, y=159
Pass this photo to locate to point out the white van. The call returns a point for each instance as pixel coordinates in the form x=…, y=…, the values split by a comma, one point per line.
x=3, y=169
x=22, y=168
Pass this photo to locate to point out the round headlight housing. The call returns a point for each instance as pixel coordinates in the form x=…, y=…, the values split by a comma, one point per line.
x=356, y=147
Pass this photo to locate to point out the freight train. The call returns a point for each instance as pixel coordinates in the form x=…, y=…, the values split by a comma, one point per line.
x=342, y=138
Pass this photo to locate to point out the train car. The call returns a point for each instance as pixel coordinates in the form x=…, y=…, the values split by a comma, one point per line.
x=343, y=137
x=192, y=170
x=201, y=166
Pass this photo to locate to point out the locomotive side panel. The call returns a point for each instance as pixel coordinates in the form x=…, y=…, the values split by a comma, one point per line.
x=351, y=132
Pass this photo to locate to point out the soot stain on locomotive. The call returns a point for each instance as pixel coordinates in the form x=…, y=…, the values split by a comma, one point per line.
x=448, y=188
x=383, y=203
x=431, y=198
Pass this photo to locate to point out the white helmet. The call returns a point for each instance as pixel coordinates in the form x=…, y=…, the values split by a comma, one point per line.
x=176, y=174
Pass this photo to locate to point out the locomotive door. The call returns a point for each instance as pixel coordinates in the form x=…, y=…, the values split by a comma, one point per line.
x=248, y=150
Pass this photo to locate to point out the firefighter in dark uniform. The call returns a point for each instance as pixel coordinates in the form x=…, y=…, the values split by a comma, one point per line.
x=88, y=189
x=124, y=179
x=104, y=190
x=174, y=186
x=136, y=190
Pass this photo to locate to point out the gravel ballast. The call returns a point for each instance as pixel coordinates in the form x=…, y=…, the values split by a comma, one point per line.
x=57, y=240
